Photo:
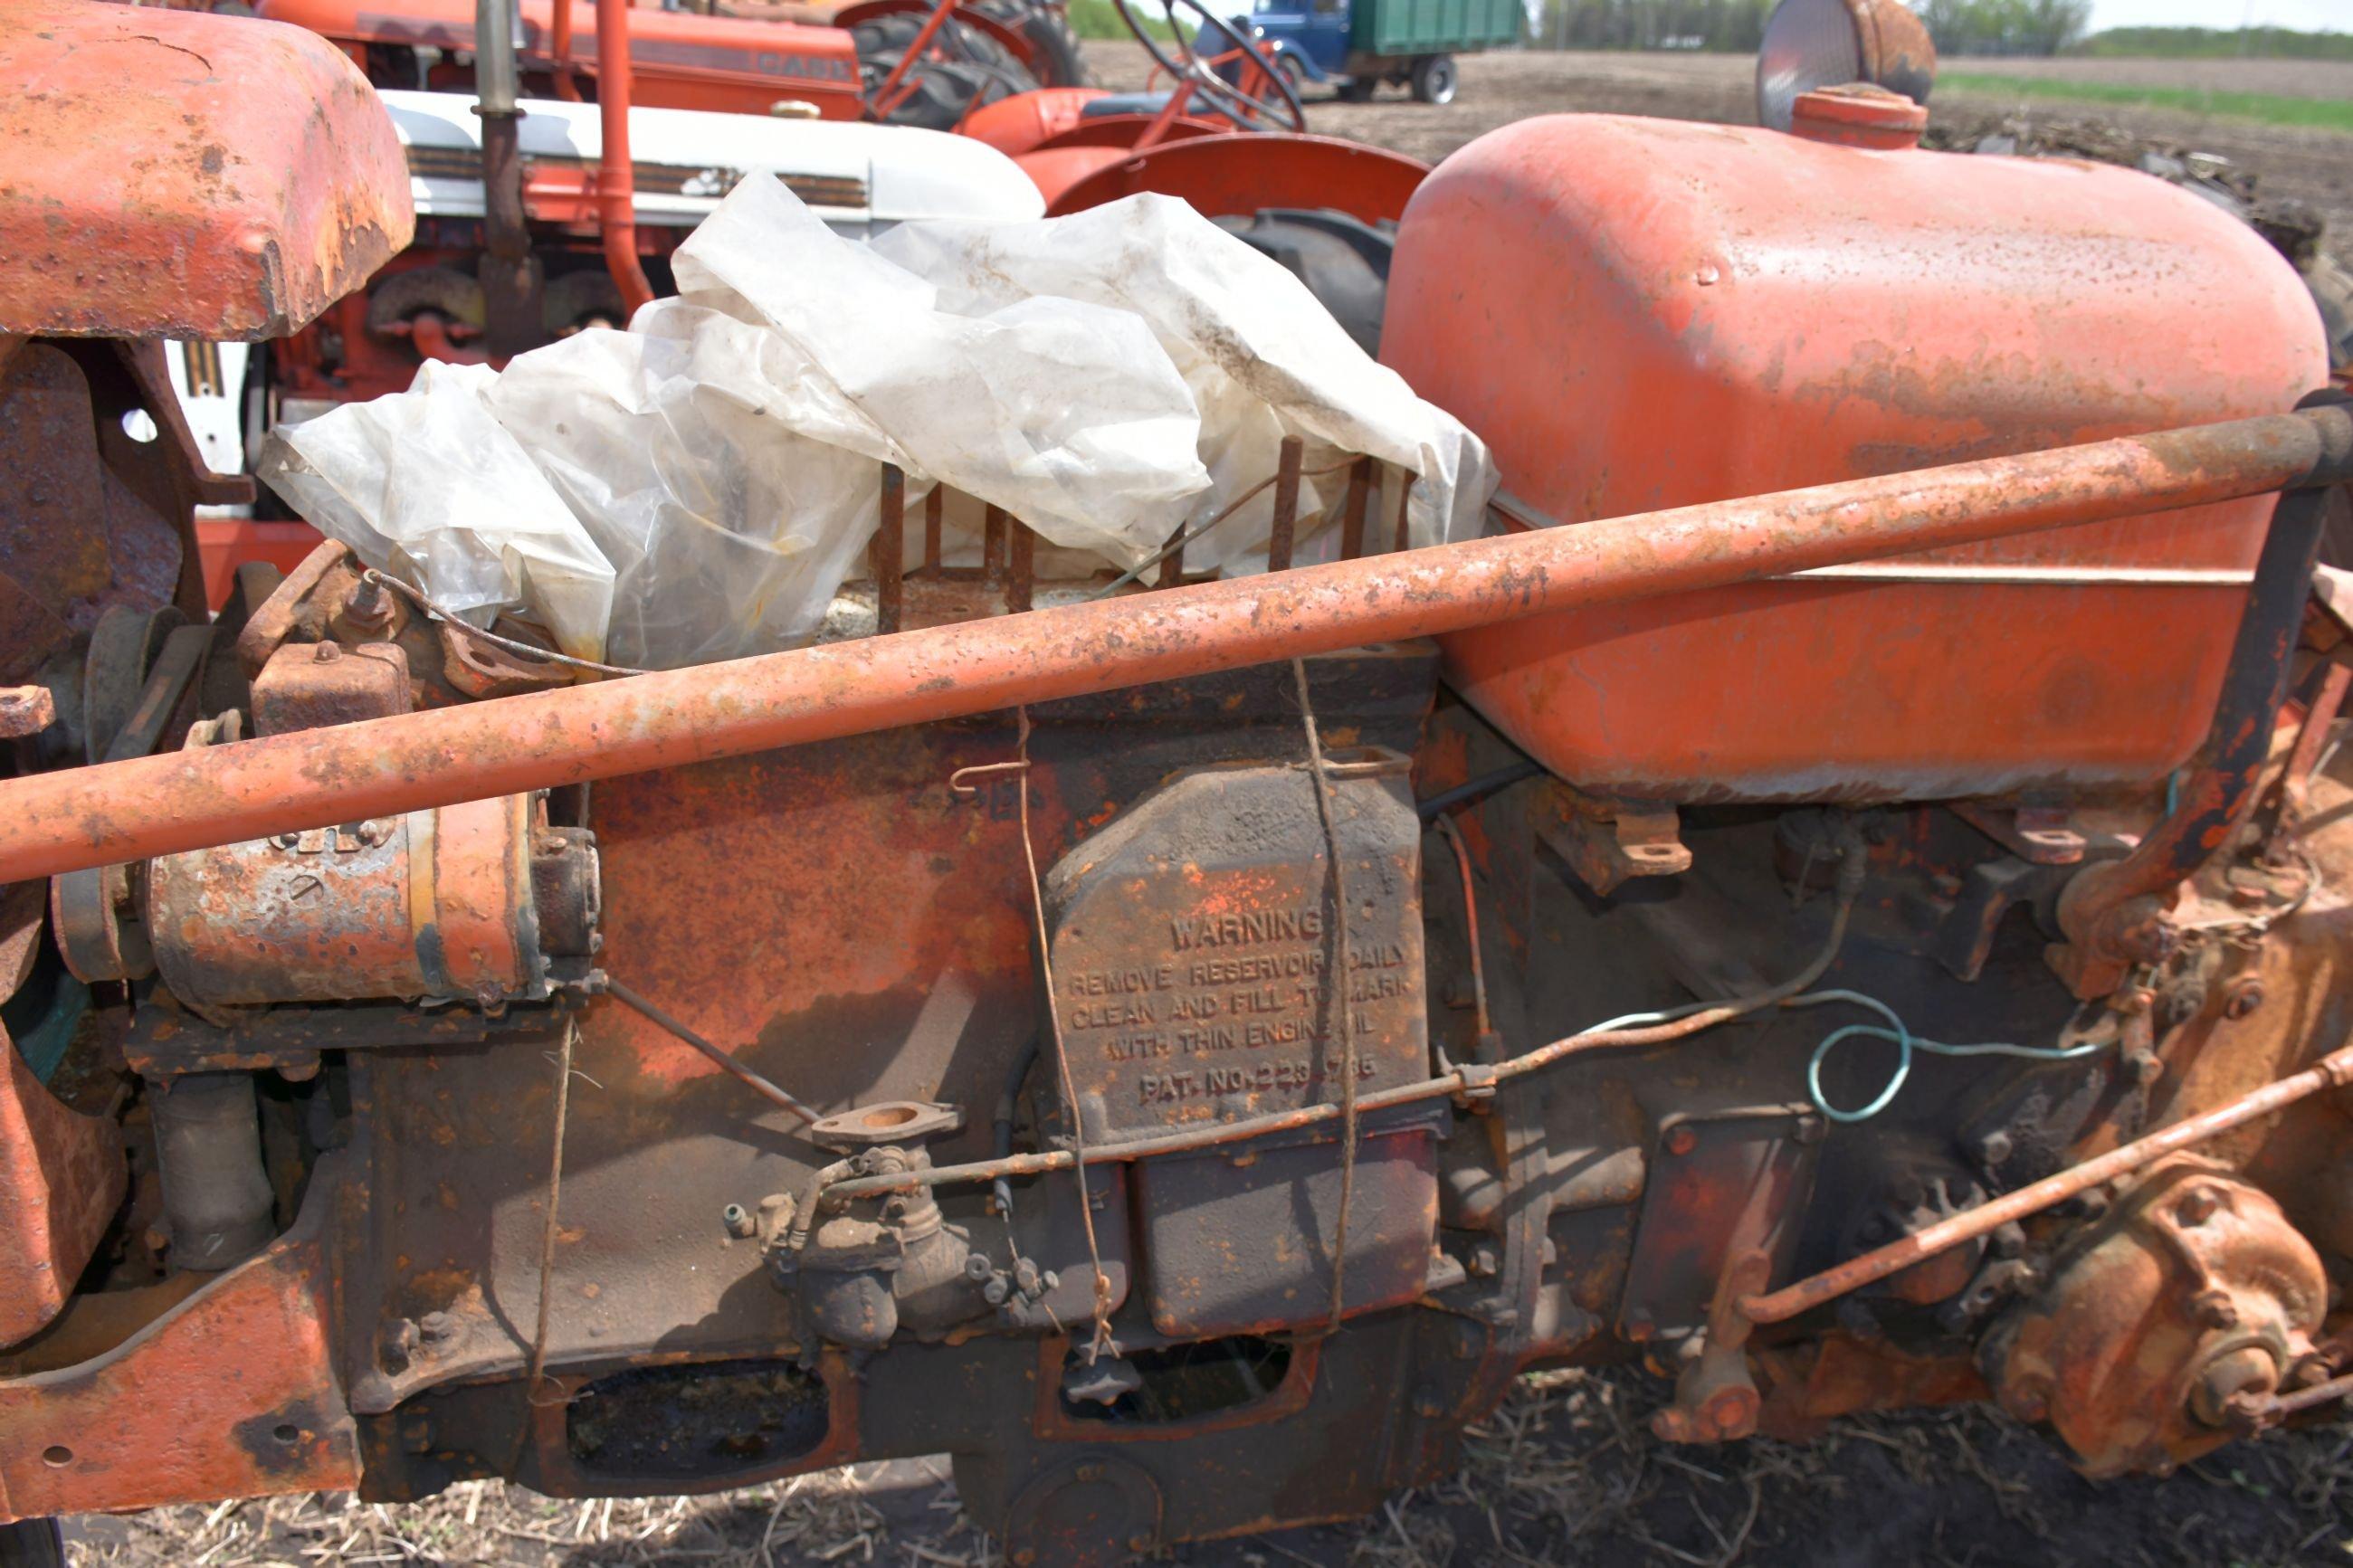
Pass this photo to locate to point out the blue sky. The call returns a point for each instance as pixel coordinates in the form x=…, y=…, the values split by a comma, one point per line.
x=2313, y=15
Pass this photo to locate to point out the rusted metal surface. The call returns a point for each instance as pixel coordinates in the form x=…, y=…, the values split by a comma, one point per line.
x=1605, y=841
x=2114, y=914
x=2169, y=1328
x=432, y=903
x=118, y=110
x=1713, y=351
x=2331, y=1071
x=309, y=686
x=158, y=805
x=172, y=1415
x=61, y=1172
x=26, y=711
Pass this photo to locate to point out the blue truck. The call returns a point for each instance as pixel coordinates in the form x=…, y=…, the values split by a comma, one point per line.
x=1353, y=46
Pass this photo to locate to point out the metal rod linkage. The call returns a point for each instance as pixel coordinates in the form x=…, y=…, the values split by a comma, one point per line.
x=189, y=800
x=2331, y=1071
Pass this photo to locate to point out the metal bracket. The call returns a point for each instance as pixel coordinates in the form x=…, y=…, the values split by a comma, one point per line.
x=1606, y=840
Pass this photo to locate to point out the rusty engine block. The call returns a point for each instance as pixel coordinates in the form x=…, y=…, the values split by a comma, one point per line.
x=1183, y=1050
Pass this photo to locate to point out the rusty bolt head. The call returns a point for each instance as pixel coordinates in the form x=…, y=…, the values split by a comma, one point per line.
x=2197, y=1206
x=436, y=1327
x=2233, y=1386
x=1483, y=1261
x=2216, y=1309
x=2243, y=997
x=1681, y=1139
x=1995, y=1147
x=1732, y=1412
x=329, y=651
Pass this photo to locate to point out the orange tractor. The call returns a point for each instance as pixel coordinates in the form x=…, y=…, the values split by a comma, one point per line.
x=1833, y=885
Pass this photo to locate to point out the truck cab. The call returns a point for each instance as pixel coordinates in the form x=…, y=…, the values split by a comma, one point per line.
x=1355, y=46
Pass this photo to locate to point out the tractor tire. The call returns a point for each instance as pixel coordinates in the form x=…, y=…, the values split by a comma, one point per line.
x=444, y=291
x=577, y=301
x=978, y=70
x=1360, y=88
x=1434, y=80
x=1060, y=60
x=32, y=1543
x=1343, y=261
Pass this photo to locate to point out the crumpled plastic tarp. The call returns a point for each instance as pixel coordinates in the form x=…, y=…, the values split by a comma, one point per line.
x=700, y=486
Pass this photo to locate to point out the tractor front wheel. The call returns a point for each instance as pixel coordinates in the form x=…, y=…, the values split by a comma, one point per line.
x=32, y=1543
x=1433, y=79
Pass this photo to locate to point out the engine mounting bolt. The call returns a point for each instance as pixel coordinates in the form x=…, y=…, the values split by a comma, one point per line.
x=737, y=1220
x=2244, y=998
x=2197, y=1206
x=1681, y=1140
x=2216, y=1309
x=1995, y=1148
x=437, y=1327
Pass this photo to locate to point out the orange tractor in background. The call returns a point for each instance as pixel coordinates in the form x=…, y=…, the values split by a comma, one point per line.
x=1833, y=885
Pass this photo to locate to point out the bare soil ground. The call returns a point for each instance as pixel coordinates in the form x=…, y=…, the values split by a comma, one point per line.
x=2312, y=166
x=1567, y=1472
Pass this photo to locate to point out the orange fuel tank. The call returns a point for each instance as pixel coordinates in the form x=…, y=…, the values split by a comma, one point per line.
x=1644, y=313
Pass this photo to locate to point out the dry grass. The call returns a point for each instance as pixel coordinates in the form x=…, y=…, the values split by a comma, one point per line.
x=1564, y=1473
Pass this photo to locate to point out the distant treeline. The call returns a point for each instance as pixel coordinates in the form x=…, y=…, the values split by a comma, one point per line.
x=1959, y=28
x=2219, y=43
x=2004, y=27
x=1731, y=26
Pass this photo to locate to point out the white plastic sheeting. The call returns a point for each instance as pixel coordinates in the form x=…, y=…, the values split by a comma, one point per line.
x=427, y=485
x=699, y=487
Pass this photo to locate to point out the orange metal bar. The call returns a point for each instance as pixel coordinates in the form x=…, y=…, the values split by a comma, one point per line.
x=616, y=190
x=186, y=800
x=896, y=89
x=560, y=46
x=2331, y=1071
